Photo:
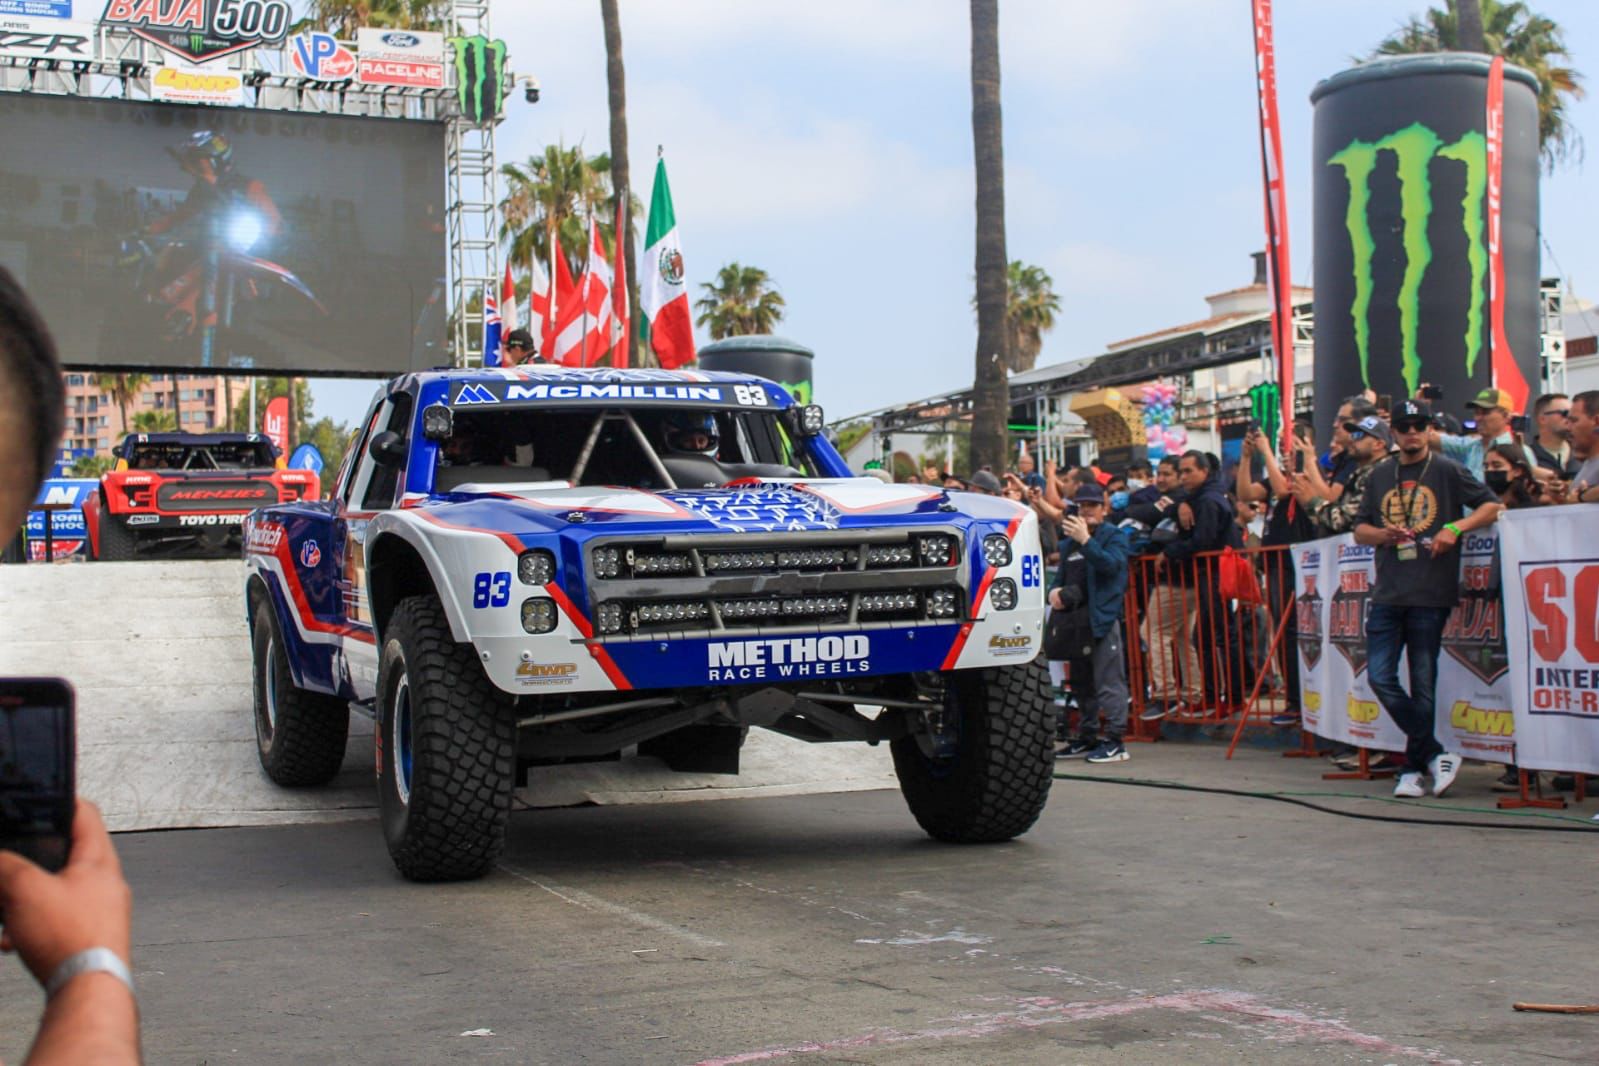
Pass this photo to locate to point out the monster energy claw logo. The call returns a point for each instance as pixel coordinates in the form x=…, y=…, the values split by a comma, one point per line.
x=479, y=77
x=1414, y=149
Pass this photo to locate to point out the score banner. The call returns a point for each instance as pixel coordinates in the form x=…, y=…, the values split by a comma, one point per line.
x=1552, y=598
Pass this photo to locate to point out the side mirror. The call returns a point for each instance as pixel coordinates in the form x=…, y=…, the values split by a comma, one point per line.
x=387, y=449
x=116, y=450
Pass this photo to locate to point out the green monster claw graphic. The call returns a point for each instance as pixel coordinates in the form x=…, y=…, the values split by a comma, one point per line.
x=1472, y=151
x=1357, y=159
x=800, y=390
x=479, y=77
x=1414, y=148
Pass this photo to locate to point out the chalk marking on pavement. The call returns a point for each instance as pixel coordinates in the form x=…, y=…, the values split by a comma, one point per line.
x=578, y=898
x=1039, y=1011
x=781, y=893
x=909, y=939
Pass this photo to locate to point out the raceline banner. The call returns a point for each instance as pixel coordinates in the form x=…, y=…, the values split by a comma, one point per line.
x=1551, y=573
x=1336, y=578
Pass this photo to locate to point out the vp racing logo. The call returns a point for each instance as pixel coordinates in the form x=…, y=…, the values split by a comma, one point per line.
x=479, y=77
x=1414, y=150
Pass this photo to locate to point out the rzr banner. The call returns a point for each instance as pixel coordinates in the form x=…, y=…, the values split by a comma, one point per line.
x=479, y=77
x=1271, y=156
x=202, y=29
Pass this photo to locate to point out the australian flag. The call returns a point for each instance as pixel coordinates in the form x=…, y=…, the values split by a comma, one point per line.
x=491, y=328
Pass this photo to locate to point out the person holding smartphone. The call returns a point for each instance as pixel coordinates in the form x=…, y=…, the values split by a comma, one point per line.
x=72, y=929
x=1415, y=508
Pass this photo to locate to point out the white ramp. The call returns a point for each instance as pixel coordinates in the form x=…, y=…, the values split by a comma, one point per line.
x=159, y=653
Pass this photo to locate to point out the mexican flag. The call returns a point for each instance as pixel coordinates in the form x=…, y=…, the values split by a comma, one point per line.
x=663, y=296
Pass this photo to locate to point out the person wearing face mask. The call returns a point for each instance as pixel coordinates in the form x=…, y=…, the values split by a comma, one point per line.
x=1491, y=408
x=1508, y=475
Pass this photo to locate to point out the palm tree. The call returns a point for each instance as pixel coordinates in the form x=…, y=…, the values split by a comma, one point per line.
x=621, y=184
x=177, y=404
x=741, y=302
x=343, y=17
x=990, y=388
x=1524, y=38
x=154, y=422
x=1031, y=304
x=123, y=389
x=554, y=193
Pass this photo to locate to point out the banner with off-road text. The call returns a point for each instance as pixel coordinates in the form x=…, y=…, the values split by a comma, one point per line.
x=1551, y=586
x=1336, y=578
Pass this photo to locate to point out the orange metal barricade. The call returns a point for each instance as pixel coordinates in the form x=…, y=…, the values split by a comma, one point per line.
x=1211, y=658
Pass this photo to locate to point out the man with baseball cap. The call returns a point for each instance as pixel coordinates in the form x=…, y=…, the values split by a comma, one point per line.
x=520, y=350
x=1367, y=442
x=1415, y=508
x=1092, y=578
x=1492, y=408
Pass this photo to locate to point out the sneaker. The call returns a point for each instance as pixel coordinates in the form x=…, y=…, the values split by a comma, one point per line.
x=1409, y=786
x=1443, y=769
x=1109, y=750
x=1510, y=781
x=1287, y=718
x=1058, y=695
x=1078, y=748
x=1156, y=710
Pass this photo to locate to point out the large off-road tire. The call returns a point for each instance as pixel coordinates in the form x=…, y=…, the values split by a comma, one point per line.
x=117, y=541
x=446, y=750
x=990, y=780
x=299, y=735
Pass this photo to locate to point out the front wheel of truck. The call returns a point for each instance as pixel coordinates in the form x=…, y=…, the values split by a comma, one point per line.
x=979, y=770
x=446, y=750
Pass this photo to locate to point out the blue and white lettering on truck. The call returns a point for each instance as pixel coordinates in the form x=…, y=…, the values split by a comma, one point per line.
x=521, y=567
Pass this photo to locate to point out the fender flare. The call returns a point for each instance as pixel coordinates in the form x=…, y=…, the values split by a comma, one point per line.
x=419, y=536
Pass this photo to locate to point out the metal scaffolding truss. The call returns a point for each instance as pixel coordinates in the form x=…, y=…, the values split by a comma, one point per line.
x=472, y=196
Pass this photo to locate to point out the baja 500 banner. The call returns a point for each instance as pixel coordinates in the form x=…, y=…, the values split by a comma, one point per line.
x=1551, y=571
x=199, y=30
x=1336, y=579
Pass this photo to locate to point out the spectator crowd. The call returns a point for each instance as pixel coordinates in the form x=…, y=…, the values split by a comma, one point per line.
x=1409, y=481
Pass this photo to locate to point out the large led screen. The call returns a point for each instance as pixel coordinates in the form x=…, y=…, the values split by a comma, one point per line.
x=154, y=235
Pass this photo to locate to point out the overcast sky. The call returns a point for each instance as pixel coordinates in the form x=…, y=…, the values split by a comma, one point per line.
x=829, y=143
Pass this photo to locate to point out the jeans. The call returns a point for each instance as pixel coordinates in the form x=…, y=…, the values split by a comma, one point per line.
x=1418, y=632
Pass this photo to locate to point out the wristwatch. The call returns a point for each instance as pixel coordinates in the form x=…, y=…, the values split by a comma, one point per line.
x=90, y=960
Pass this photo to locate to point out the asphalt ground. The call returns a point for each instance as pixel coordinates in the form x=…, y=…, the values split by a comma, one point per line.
x=1132, y=925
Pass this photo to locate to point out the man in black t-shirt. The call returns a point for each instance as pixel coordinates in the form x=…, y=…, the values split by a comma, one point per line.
x=1411, y=513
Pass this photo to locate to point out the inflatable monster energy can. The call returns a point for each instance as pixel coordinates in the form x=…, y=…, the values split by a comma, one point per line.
x=1402, y=243
x=773, y=358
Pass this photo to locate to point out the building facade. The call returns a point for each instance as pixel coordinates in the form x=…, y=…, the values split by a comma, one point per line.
x=94, y=419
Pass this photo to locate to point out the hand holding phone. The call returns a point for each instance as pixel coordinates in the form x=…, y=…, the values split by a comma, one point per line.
x=38, y=758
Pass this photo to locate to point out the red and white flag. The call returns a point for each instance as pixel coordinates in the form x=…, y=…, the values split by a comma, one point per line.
x=507, y=302
x=583, y=334
x=563, y=294
x=539, y=322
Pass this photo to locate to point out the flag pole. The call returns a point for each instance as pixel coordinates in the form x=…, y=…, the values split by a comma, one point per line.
x=588, y=283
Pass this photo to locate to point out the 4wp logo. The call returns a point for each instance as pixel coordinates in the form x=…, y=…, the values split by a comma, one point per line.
x=1414, y=150
x=479, y=77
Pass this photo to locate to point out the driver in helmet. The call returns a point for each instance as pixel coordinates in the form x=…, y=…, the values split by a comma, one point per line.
x=689, y=433
x=207, y=157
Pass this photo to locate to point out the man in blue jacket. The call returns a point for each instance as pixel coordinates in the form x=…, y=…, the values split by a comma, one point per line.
x=1093, y=575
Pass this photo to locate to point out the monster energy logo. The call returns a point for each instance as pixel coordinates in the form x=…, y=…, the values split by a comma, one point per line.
x=1265, y=406
x=1414, y=148
x=479, y=77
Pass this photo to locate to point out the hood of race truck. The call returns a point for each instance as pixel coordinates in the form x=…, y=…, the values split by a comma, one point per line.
x=768, y=507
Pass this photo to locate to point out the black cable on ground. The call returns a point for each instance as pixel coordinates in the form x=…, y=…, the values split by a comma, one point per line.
x=1296, y=801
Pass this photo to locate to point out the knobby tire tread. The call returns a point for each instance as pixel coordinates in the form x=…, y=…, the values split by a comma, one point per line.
x=463, y=744
x=311, y=729
x=1000, y=778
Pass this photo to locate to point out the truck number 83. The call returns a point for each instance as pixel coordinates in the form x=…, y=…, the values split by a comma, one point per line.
x=491, y=589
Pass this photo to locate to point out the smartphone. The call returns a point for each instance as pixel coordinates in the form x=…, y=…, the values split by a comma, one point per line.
x=1432, y=392
x=1069, y=511
x=38, y=764
x=1385, y=402
x=1299, y=462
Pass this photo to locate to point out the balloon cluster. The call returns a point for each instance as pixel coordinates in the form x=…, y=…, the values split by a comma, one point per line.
x=1160, y=411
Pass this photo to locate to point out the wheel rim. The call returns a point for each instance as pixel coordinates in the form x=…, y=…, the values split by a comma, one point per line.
x=267, y=719
x=401, y=745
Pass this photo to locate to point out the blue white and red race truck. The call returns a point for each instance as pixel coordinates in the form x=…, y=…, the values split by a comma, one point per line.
x=526, y=566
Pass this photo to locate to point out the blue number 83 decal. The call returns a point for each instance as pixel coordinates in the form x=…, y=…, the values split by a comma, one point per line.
x=491, y=590
x=1032, y=571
